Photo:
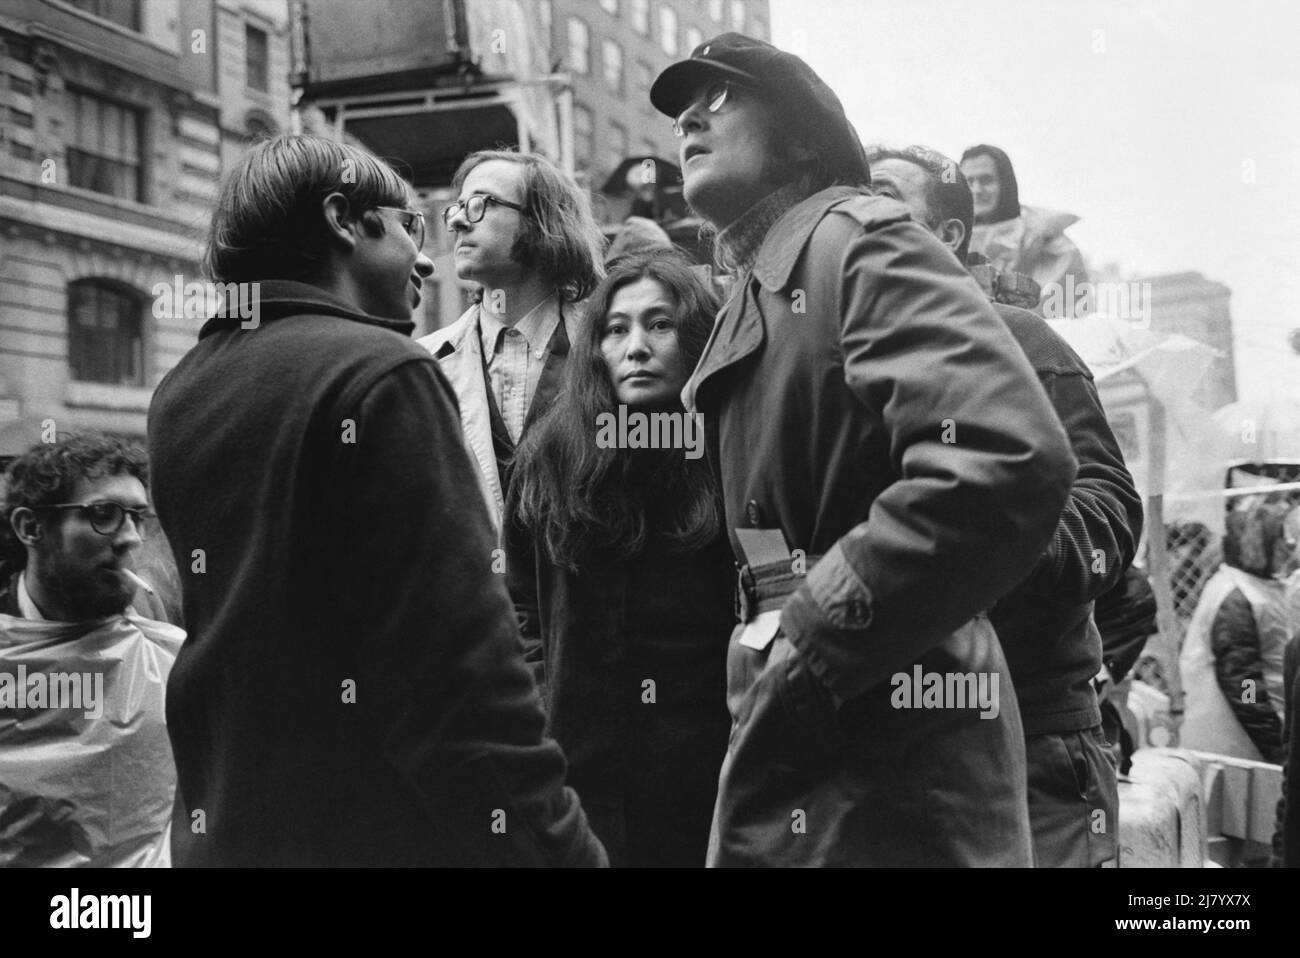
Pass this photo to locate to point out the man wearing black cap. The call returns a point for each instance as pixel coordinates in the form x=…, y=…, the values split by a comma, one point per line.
x=889, y=466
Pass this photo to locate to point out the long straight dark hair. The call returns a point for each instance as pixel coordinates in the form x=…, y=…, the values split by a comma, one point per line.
x=576, y=498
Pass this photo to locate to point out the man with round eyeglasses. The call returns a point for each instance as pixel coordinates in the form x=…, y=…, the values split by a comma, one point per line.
x=80, y=553
x=84, y=662
x=889, y=467
x=713, y=98
x=526, y=239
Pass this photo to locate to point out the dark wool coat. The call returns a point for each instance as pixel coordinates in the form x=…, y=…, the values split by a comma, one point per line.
x=644, y=758
x=353, y=691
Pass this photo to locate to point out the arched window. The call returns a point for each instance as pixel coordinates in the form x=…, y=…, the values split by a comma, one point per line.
x=105, y=333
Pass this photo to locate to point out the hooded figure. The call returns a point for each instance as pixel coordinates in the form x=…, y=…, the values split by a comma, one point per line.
x=1232, y=655
x=1021, y=239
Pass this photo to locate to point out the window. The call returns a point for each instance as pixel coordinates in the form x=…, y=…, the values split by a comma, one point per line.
x=758, y=31
x=610, y=7
x=105, y=333
x=641, y=17
x=583, y=136
x=618, y=147
x=579, y=46
x=255, y=57
x=125, y=13
x=668, y=30
x=693, y=38
x=613, y=57
x=715, y=10
x=738, y=15
x=104, y=146
x=544, y=14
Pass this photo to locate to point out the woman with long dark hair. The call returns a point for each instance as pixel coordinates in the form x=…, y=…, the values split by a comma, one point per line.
x=621, y=571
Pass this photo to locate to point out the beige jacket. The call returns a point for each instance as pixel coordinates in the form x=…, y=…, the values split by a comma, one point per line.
x=459, y=352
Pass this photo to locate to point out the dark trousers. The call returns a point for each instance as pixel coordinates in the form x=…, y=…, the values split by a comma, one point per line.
x=1073, y=799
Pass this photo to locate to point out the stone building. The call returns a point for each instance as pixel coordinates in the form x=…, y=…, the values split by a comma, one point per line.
x=117, y=118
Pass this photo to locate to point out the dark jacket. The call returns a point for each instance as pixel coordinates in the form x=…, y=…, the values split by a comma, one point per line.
x=644, y=759
x=862, y=396
x=1238, y=659
x=1043, y=622
x=353, y=691
x=1126, y=617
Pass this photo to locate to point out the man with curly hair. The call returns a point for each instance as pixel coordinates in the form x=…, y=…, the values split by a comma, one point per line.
x=61, y=566
x=82, y=675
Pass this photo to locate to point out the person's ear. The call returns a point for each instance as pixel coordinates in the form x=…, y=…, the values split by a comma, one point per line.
x=340, y=229
x=952, y=232
x=26, y=525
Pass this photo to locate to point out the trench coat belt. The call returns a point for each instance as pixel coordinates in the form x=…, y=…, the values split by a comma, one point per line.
x=763, y=588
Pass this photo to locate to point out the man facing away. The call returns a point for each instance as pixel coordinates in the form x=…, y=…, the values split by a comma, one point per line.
x=866, y=409
x=354, y=690
x=1044, y=623
x=526, y=237
x=82, y=674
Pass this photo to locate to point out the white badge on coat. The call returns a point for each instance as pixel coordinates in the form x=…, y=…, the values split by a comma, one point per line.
x=759, y=633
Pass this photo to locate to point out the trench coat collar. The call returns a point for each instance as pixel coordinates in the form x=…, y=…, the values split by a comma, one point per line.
x=790, y=234
x=739, y=331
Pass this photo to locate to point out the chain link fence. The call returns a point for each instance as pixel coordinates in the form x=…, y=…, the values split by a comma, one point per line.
x=1179, y=565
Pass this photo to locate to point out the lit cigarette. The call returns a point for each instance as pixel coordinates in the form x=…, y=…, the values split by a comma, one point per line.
x=139, y=581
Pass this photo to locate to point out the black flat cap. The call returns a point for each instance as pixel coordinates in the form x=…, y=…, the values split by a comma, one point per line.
x=784, y=79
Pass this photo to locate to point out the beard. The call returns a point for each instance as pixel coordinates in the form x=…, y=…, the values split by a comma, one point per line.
x=85, y=593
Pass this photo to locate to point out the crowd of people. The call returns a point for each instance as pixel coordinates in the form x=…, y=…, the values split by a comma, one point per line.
x=432, y=618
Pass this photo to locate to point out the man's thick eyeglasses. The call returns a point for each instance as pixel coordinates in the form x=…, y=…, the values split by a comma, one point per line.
x=713, y=98
x=106, y=518
x=474, y=207
x=412, y=221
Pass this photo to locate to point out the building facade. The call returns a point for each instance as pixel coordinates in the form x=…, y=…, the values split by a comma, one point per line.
x=567, y=78
x=1196, y=307
x=117, y=118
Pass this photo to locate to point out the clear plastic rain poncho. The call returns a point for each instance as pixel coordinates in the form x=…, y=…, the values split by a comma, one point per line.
x=86, y=769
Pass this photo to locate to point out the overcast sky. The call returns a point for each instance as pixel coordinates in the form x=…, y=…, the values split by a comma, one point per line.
x=1147, y=118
